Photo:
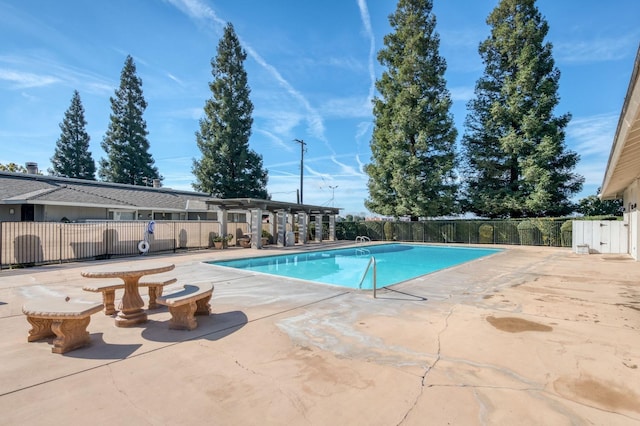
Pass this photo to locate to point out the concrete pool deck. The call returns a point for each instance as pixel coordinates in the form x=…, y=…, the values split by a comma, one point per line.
x=527, y=336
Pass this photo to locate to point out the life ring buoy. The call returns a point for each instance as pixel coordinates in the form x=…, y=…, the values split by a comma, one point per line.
x=143, y=246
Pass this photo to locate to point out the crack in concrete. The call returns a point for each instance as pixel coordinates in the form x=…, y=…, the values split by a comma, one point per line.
x=428, y=368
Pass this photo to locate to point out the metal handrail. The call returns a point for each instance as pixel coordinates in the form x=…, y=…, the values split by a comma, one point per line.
x=375, y=270
x=362, y=239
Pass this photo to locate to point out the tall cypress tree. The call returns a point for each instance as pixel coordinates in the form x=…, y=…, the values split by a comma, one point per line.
x=228, y=168
x=125, y=142
x=413, y=141
x=72, y=157
x=515, y=160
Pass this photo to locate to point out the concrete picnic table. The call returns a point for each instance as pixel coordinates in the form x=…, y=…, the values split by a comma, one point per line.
x=131, y=312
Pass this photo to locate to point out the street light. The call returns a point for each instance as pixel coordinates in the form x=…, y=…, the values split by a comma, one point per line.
x=302, y=145
x=333, y=189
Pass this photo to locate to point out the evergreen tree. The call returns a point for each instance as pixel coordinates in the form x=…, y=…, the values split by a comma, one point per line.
x=515, y=160
x=594, y=206
x=125, y=142
x=228, y=168
x=413, y=141
x=72, y=157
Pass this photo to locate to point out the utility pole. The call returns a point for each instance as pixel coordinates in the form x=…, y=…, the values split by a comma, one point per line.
x=333, y=189
x=302, y=149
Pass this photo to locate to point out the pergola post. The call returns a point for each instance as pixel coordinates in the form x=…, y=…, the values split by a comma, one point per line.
x=318, y=227
x=255, y=227
x=223, y=222
x=303, y=219
x=272, y=226
x=281, y=223
x=332, y=227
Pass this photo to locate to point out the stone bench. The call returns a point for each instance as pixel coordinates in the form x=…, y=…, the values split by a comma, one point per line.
x=67, y=321
x=108, y=291
x=185, y=304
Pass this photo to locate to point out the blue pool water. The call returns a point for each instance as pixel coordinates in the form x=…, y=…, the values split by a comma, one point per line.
x=345, y=267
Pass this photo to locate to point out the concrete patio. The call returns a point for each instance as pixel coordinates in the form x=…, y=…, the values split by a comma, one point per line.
x=532, y=335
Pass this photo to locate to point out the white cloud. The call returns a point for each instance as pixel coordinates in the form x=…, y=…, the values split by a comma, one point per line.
x=314, y=120
x=198, y=10
x=24, y=80
x=593, y=171
x=176, y=79
x=19, y=71
x=598, y=50
x=366, y=22
x=593, y=135
x=276, y=140
x=464, y=93
x=345, y=169
x=351, y=107
x=361, y=165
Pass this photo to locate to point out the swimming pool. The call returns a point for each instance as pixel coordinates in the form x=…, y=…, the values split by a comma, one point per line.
x=345, y=267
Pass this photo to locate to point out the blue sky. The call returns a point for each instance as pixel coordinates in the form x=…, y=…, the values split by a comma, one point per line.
x=311, y=68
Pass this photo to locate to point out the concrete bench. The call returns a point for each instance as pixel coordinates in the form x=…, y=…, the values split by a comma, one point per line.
x=67, y=321
x=185, y=304
x=108, y=291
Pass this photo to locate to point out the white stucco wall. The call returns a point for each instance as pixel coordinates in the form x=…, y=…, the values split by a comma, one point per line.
x=631, y=196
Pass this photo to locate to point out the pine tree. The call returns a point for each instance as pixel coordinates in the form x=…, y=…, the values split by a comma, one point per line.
x=228, y=168
x=72, y=157
x=125, y=142
x=515, y=160
x=413, y=141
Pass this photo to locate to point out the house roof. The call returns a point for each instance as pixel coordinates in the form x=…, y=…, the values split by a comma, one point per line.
x=624, y=160
x=23, y=188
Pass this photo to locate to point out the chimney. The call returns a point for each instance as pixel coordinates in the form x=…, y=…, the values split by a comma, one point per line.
x=156, y=183
x=32, y=168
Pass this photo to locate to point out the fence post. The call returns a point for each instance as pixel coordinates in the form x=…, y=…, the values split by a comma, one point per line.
x=493, y=231
x=106, y=232
x=60, y=243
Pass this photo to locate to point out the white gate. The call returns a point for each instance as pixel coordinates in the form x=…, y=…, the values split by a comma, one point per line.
x=601, y=236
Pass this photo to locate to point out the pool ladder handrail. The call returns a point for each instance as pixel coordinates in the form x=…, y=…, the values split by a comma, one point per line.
x=362, y=239
x=372, y=260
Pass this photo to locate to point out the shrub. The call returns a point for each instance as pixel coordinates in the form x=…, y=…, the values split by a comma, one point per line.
x=566, y=232
x=529, y=233
x=388, y=231
x=485, y=232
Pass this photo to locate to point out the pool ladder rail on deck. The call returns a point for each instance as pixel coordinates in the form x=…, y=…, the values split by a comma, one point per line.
x=372, y=261
x=361, y=239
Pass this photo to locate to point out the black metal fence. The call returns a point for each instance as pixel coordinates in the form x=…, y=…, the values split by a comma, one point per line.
x=533, y=232
x=37, y=243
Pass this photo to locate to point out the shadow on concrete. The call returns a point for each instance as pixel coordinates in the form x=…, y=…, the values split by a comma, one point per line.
x=391, y=294
x=99, y=349
x=211, y=327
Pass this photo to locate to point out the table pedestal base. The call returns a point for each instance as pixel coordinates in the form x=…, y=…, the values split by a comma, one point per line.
x=130, y=319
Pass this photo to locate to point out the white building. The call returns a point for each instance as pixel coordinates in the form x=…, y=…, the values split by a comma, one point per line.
x=622, y=176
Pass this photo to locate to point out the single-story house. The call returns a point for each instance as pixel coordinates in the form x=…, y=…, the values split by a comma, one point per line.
x=622, y=176
x=30, y=197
